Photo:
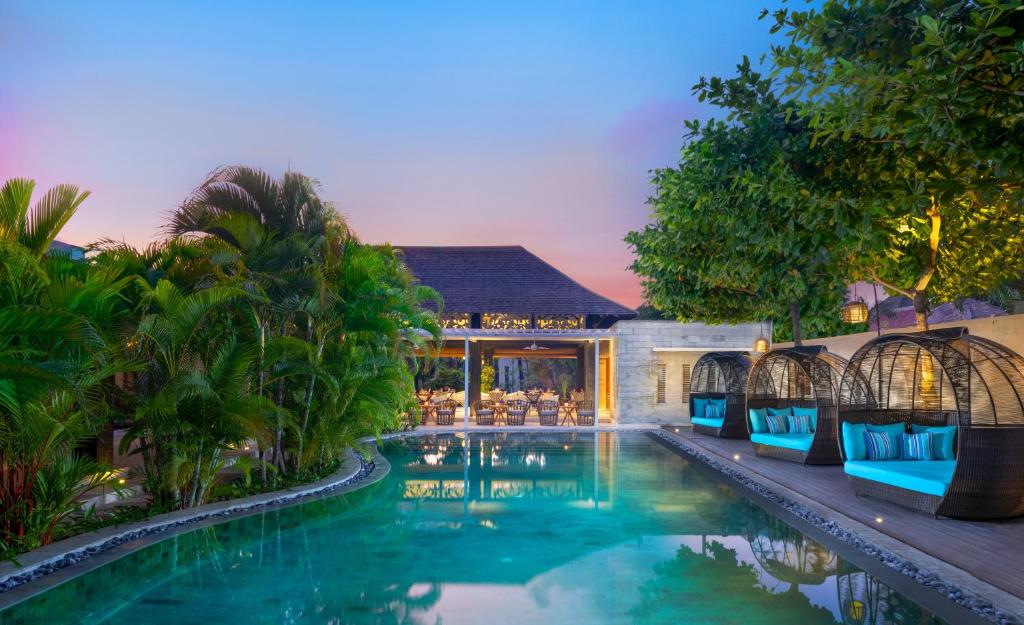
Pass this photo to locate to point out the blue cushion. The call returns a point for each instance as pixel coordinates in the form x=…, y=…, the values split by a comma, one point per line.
x=776, y=424
x=916, y=446
x=785, y=412
x=719, y=405
x=807, y=412
x=800, y=442
x=707, y=422
x=699, y=406
x=798, y=425
x=853, y=441
x=711, y=411
x=890, y=428
x=931, y=477
x=942, y=439
x=882, y=445
x=893, y=431
x=758, y=421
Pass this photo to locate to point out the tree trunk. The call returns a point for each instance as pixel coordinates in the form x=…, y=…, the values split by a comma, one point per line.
x=794, y=315
x=261, y=448
x=920, y=311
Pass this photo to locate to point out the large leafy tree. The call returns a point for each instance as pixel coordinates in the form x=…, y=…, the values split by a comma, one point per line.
x=929, y=93
x=747, y=225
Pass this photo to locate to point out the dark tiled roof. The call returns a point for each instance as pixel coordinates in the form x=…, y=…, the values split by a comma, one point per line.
x=900, y=313
x=504, y=279
x=65, y=247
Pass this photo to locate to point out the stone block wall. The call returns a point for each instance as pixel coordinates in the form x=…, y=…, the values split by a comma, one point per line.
x=639, y=348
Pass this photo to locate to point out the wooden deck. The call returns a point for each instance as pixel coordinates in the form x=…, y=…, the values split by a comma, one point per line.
x=990, y=551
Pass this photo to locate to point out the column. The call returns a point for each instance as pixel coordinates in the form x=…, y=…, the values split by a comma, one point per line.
x=597, y=381
x=465, y=386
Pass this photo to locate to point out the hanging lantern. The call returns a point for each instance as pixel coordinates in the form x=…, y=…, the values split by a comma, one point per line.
x=761, y=345
x=855, y=312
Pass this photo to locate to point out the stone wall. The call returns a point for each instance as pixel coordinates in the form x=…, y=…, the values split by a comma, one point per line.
x=637, y=346
x=1007, y=330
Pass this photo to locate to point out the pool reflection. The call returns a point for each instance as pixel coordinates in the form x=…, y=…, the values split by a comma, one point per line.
x=496, y=528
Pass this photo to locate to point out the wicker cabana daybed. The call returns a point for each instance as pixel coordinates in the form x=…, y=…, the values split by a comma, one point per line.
x=966, y=393
x=718, y=388
x=796, y=382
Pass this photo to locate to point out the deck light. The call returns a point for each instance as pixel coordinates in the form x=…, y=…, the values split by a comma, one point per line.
x=878, y=519
x=735, y=456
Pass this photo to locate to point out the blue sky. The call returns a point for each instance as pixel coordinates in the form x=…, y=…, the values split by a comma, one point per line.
x=533, y=123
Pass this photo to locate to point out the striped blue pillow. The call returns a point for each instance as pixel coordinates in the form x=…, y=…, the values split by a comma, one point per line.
x=881, y=446
x=776, y=424
x=799, y=425
x=917, y=446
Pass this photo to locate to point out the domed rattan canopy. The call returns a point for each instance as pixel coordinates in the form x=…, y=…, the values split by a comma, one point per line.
x=797, y=373
x=721, y=376
x=946, y=377
x=721, y=372
x=806, y=377
x=941, y=376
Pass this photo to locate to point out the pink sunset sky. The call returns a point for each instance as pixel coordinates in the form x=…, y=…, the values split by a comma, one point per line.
x=530, y=124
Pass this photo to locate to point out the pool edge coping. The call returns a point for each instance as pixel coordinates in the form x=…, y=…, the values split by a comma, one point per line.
x=979, y=597
x=36, y=565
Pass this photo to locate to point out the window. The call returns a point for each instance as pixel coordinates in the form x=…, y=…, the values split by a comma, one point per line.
x=686, y=385
x=661, y=383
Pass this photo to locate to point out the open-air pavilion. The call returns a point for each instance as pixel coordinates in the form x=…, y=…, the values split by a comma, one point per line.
x=506, y=305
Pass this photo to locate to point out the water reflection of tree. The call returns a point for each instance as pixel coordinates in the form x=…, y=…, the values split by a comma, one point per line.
x=787, y=554
x=714, y=587
x=866, y=601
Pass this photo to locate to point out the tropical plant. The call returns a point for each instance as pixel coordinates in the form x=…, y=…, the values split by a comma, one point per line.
x=35, y=227
x=56, y=364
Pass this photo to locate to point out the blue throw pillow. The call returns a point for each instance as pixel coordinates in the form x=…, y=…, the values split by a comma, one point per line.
x=719, y=405
x=853, y=441
x=780, y=412
x=894, y=429
x=700, y=406
x=916, y=446
x=776, y=424
x=943, y=437
x=758, y=422
x=799, y=425
x=712, y=411
x=881, y=446
x=811, y=413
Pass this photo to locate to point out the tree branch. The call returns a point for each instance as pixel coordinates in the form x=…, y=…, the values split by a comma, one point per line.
x=889, y=285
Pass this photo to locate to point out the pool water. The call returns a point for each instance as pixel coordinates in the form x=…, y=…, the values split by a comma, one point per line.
x=517, y=528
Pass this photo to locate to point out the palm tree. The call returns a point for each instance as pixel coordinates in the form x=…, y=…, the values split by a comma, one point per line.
x=35, y=227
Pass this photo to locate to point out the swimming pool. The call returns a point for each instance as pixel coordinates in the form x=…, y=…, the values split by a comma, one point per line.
x=507, y=528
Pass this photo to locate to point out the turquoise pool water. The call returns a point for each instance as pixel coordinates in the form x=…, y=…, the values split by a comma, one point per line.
x=525, y=528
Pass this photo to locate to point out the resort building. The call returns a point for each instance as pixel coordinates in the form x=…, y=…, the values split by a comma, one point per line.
x=504, y=306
